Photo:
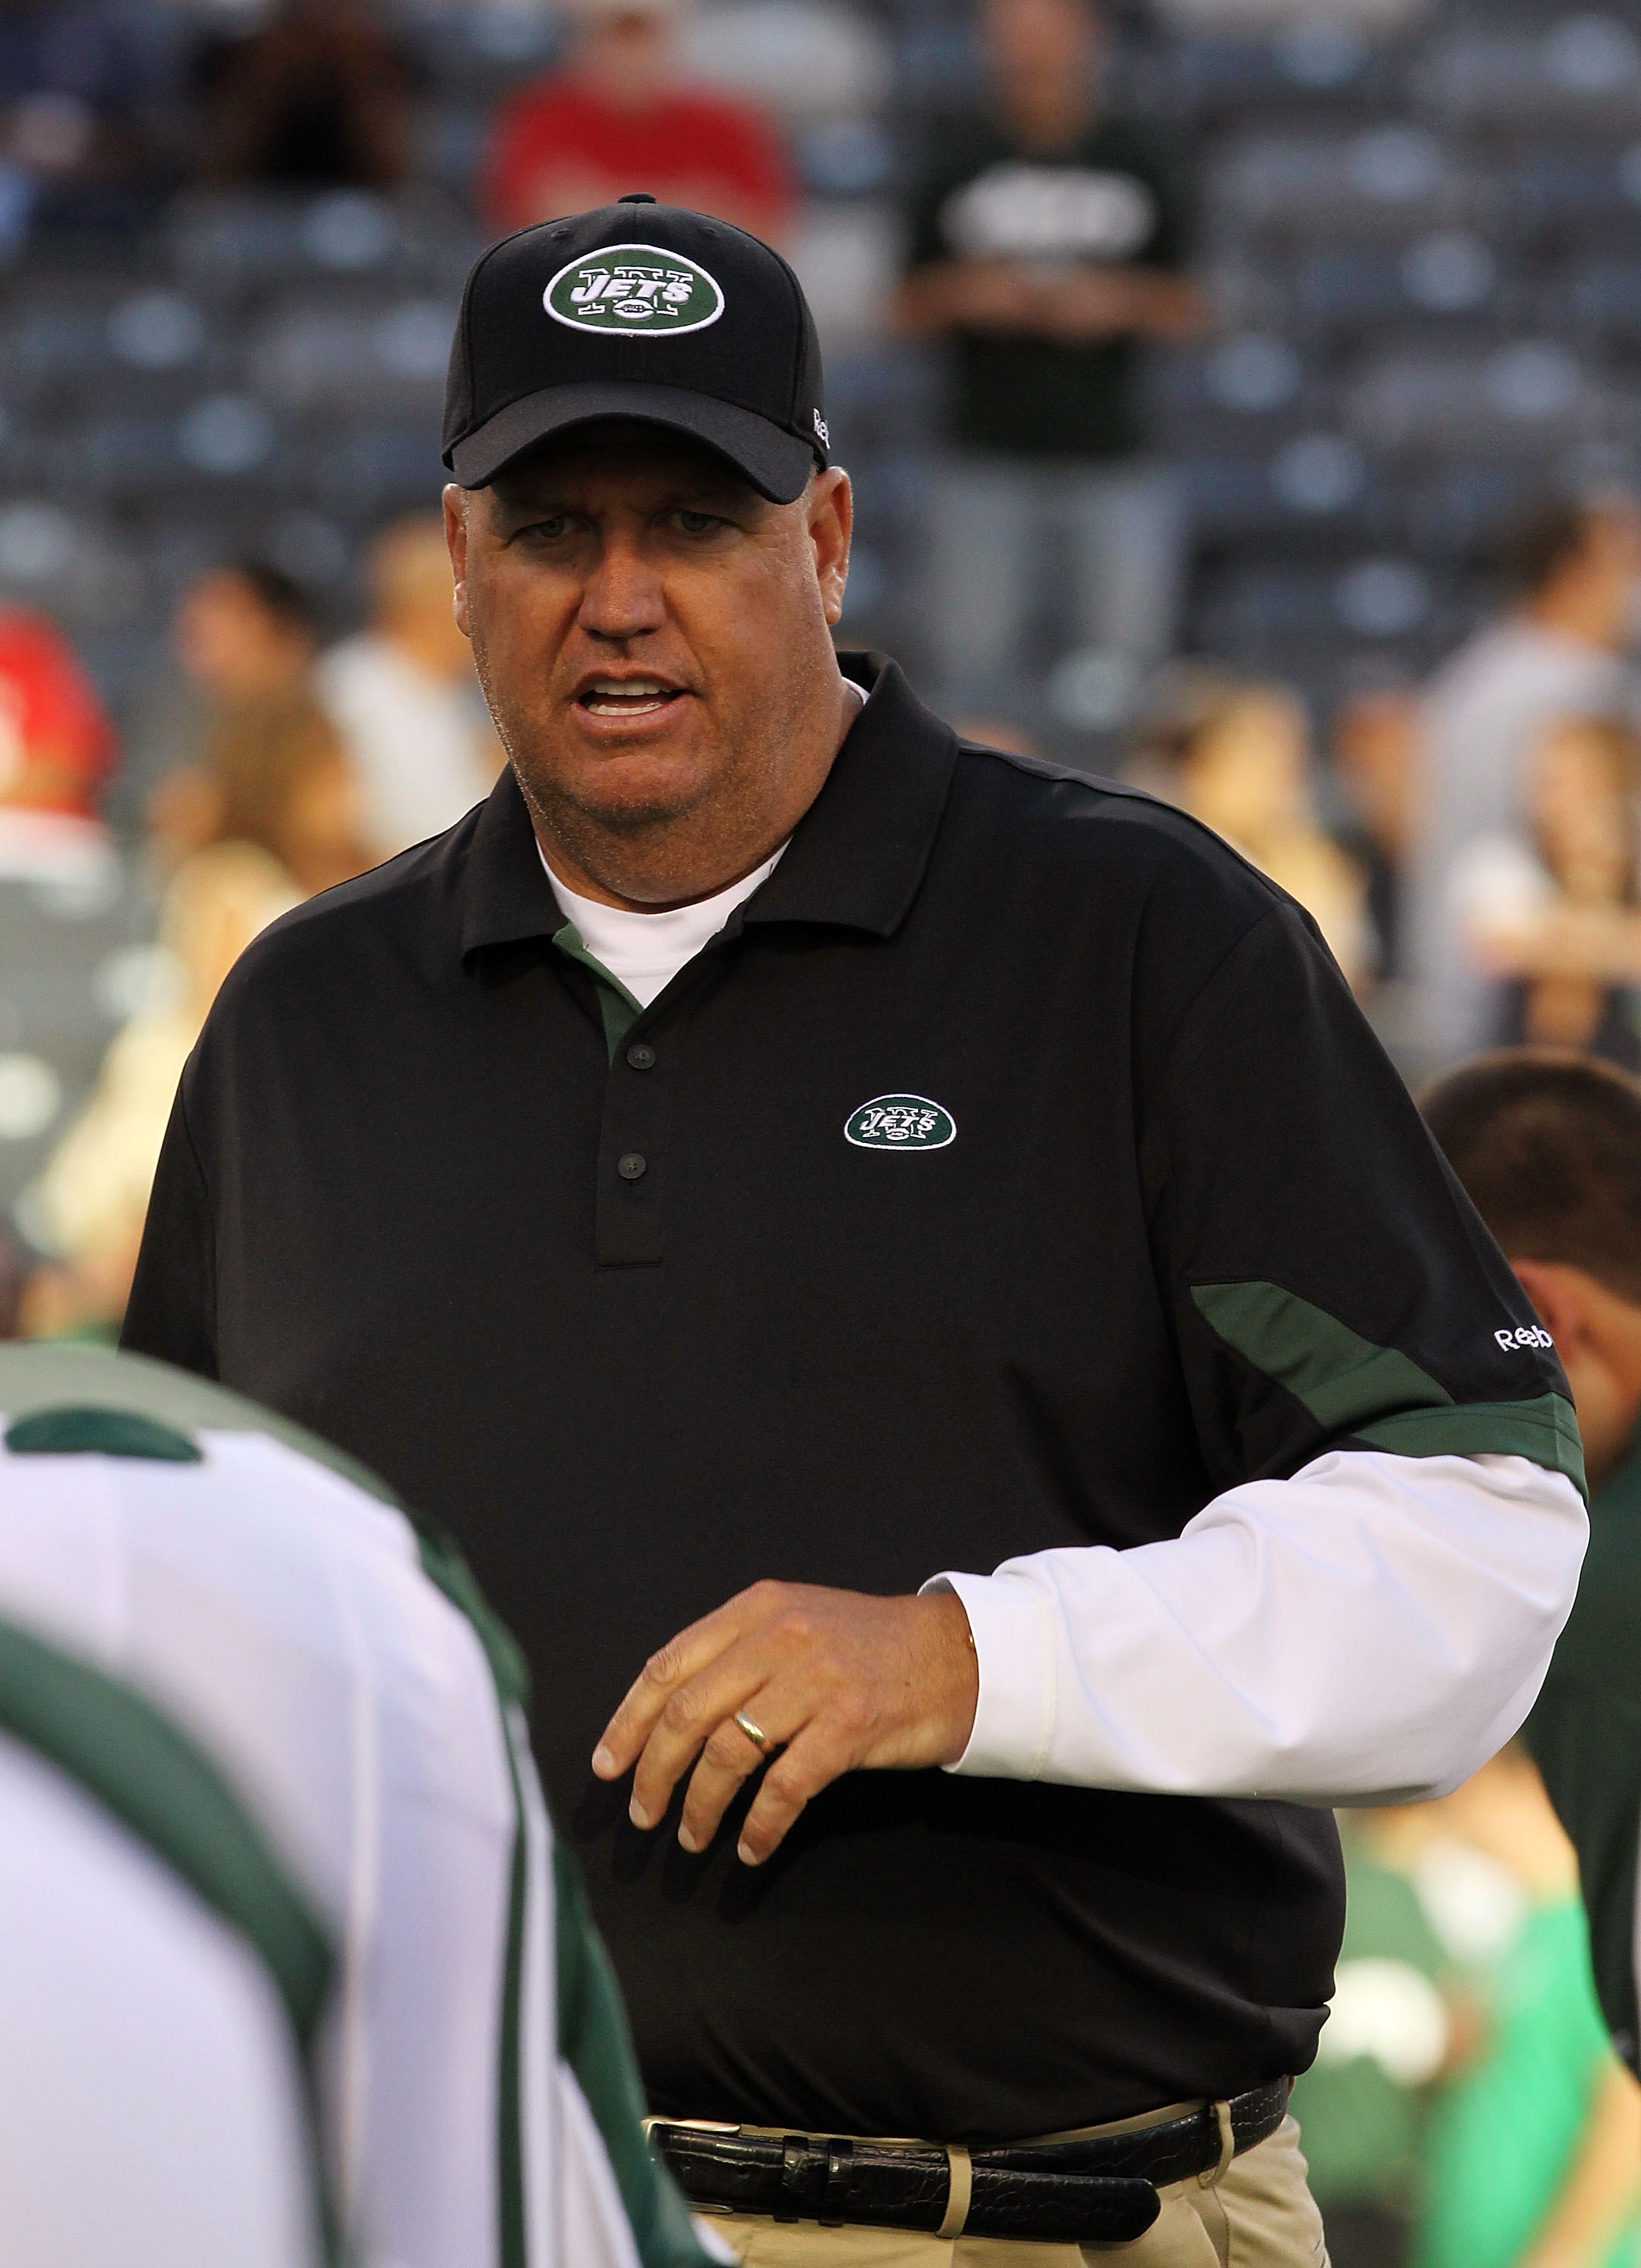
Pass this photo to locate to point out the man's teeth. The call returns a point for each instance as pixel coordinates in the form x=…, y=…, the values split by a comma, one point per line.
x=627, y=696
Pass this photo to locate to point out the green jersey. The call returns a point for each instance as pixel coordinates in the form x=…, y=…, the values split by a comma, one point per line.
x=1505, y=2134
x=1585, y=1734
x=1362, y=2105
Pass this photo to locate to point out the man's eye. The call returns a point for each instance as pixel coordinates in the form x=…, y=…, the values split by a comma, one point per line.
x=699, y=523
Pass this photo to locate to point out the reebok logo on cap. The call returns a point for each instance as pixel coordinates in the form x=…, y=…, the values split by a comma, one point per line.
x=637, y=287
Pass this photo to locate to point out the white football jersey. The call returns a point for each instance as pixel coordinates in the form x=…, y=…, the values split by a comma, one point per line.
x=155, y=2103
x=340, y=1670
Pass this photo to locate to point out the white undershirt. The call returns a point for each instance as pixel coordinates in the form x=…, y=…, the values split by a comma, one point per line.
x=646, y=951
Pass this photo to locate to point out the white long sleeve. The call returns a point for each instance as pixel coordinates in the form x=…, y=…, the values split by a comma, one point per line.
x=1371, y=1631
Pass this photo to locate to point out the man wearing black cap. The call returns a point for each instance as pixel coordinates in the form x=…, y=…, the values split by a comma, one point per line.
x=770, y=1139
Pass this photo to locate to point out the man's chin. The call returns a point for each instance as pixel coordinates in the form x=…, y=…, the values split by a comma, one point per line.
x=624, y=791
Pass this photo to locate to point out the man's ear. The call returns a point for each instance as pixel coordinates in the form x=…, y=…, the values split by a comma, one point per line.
x=831, y=507
x=455, y=501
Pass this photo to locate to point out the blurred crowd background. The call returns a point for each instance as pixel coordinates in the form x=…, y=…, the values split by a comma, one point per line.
x=1244, y=397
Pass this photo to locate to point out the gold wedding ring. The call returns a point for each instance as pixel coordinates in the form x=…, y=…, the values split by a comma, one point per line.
x=756, y=1734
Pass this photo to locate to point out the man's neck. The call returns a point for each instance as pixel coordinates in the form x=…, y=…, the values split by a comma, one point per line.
x=583, y=885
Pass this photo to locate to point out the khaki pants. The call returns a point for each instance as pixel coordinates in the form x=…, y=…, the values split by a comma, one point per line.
x=1259, y=2213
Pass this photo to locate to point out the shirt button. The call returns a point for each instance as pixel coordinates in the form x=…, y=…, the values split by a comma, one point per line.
x=633, y=1167
x=642, y=1055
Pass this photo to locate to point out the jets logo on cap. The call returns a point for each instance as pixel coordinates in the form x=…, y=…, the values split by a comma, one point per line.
x=639, y=289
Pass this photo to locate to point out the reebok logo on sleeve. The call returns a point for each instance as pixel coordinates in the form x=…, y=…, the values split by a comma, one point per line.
x=1528, y=1336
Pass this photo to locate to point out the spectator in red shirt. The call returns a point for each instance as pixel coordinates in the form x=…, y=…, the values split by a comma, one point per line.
x=56, y=744
x=619, y=118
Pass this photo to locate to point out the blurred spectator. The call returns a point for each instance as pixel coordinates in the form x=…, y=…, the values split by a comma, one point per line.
x=1550, y=910
x=75, y=82
x=1236, y=755
x=1549, y=1148
x=275, y=774
x=57, y=748
x=404, y=696
x=243, y=632
x=1396, y=2020
x=1535, y=2150
x=1047, y=241
x=618, y=117
x=90, y=1202
x=1375, y=746
x=13, y=1274
x=997, y=732
x=269, y=766
x=1558, y=651
x=318, y=96
x=56, y=744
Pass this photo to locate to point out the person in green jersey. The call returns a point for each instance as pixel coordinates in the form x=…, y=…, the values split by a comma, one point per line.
x=1548, y=1147
x=1391, y=2029
x=1532, y=2152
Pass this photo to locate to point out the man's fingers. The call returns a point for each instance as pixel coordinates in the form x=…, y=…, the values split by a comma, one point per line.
x=728, y=1762
x=682, y=1658
x=694, y=1712
x=815, y=1759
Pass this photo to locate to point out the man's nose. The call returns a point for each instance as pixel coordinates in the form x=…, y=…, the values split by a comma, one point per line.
x=622, y=597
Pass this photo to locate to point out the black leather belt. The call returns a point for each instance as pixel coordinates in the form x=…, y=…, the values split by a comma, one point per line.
x=1098, y=2189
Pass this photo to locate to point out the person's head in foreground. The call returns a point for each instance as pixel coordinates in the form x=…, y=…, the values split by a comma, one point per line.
x=650, y=571
x=1548, y=1147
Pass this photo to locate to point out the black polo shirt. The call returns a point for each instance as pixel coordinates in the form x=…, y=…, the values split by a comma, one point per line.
x=1017, y=1172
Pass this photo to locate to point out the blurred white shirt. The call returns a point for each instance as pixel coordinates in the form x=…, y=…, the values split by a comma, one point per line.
x=421, y=746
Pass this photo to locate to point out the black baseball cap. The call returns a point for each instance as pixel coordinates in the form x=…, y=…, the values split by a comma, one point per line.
x=637, y=310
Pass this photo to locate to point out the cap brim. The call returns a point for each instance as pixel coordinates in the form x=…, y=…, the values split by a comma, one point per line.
x=777, y=463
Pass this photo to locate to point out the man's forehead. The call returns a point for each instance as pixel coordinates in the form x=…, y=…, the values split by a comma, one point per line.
x=620, y=458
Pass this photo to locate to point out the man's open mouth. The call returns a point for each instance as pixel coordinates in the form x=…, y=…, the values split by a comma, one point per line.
x=627, y=696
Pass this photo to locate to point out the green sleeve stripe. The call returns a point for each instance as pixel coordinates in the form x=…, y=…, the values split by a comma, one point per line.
x=443, y=1565
x=1544, y=1431
x=1376, y=1394
x=615, y=1004
x=594, y=2041
x=1339, y=1376
x=168, y=1792
x=149, y=1775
